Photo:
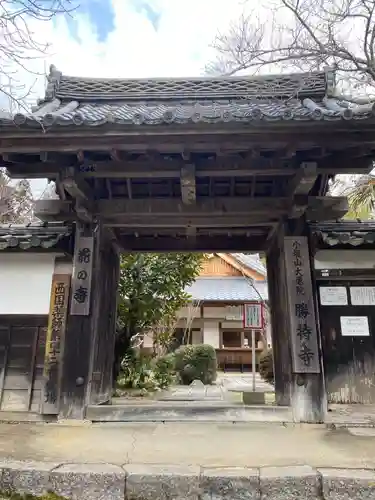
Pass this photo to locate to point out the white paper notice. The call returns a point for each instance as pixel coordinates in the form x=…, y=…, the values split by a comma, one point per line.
x=354, y=326
x=362, y=295
x=333, y=296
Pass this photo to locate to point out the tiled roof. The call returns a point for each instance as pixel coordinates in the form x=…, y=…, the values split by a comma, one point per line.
x=345, y=232
x=95, y=102
x=25, y=237
x=228, y=289
x=251, y=261
x=303, y=84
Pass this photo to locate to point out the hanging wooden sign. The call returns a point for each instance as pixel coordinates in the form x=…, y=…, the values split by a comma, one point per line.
x=82, y=276
x=304, y=338
x=55, y=343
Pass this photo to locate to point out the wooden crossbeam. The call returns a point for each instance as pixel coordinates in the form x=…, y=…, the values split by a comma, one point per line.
x=232, y=221
x=218, y=212
x=165, y=169
x=318, y=134
x=174, y=207
x=169, y=169
x=197, y=244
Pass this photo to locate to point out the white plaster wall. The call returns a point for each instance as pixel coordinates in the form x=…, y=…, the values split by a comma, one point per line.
x=184, y=323
x=232, y=324
x=25, y=283
x=196, y=337
x=214, y=312
x=211, y=333
x=345, y=259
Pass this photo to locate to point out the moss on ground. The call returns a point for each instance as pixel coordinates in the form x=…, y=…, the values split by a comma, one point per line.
x=11, y=495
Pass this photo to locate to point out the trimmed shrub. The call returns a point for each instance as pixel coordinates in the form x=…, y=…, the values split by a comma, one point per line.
x=196, y=362
x=266, y=366
x=141, y=371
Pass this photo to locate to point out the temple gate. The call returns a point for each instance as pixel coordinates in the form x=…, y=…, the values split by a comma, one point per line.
x=205, y=164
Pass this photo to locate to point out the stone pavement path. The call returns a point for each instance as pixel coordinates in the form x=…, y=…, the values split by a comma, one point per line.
x=218, y=392
x=195, y=392
x=204, y=444
x=231, y=381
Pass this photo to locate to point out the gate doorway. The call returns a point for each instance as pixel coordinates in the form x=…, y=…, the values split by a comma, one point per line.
x=22, y=350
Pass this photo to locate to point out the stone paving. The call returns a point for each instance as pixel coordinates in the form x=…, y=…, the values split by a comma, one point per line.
x=226, y=382
x=174, y=482
x=187, y=462
x=232, y=381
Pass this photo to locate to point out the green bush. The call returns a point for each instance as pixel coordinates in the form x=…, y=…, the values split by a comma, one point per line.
x=266, y=366
x=141, y=371
x=196, y=362
x=164, y=368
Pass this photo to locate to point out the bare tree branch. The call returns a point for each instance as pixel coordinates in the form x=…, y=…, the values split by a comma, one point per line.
x=18, y=42
x=304, y=35
x=16, y=202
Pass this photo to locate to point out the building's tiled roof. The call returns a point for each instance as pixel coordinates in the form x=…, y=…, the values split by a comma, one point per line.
x=228, y=289
x=345, y=232
x=251, y=261
x=25, y=237
x=98, y=101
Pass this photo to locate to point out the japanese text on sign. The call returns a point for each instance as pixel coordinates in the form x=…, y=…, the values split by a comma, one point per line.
x=81, y=281
x=304, y=336
x=362, y=295
x=55, y=332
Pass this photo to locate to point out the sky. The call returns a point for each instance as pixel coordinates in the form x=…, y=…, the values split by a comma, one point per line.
x=128, y=38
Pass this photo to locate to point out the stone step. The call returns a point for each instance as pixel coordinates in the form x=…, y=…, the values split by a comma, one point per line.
x=188, y=411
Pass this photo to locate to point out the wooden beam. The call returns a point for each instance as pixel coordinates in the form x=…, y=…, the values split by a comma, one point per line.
x=197, y=244
x=333, y=208
x=303, y=180
x=174, y=207
x=169, y=169
x=74, y=184
x=166, y=169
x=188, y=187
x=210, y=212
x=178, y=221
x=316, y=134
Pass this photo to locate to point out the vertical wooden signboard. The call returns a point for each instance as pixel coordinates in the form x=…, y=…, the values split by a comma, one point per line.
x=304, y=337
x=82, y=276
x=253, y=317
x=55, y=343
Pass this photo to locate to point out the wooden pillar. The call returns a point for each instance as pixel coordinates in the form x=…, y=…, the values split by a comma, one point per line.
x=299, y=378
x=88, y=321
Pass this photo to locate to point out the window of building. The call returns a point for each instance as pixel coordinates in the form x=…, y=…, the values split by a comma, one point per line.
x=238, y=339
x=248, y=337
x=232, y=338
